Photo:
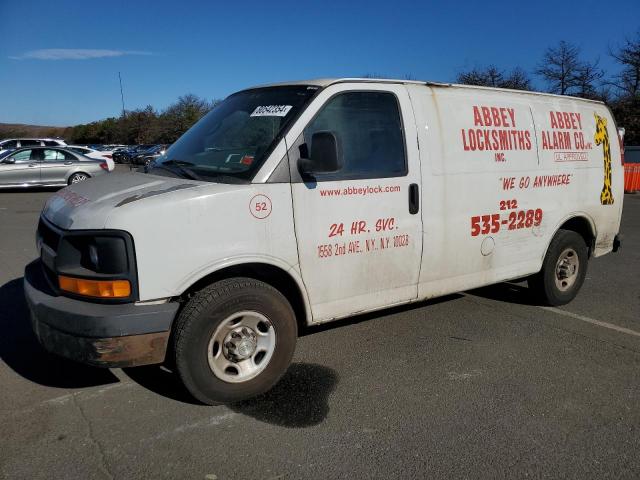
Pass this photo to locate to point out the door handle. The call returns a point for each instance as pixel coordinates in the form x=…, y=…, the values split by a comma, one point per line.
x=68, y=163
x=414, y=199
x=33, y=165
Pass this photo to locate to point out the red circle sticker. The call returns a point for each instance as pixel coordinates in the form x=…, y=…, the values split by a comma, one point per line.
x=260, y=206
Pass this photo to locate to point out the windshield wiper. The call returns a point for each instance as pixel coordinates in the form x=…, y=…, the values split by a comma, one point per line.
x=224, y=178
x=173, y=171
x=181, y=166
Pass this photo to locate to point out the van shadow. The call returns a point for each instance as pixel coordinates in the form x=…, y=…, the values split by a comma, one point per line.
x=160, y=380
x=298, y=400
x=21, y=351
x=507, y=292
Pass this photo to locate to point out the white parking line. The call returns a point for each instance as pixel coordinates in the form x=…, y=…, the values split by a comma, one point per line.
x=593, y=321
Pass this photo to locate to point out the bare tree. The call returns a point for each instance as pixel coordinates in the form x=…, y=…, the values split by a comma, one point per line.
x=605, y=94
x=517, y=80
x=560, y=67
x=489, y=76
x=628, y=55
x=587, y=77
x=492, y=76
x=472, y=77
x=374, y=75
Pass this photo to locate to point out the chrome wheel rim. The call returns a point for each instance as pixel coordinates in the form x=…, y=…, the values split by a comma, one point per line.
x=567, y=269
x=78, y=177
x=241, y=347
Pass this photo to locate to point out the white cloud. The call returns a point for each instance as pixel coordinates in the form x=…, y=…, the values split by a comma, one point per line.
x=74, y=54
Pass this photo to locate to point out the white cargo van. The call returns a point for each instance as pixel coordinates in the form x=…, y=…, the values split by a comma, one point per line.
x=301, y=203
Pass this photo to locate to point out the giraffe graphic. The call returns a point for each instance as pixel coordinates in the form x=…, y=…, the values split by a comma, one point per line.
x=602, y=137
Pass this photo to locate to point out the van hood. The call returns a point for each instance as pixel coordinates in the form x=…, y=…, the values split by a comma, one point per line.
x=87, y=205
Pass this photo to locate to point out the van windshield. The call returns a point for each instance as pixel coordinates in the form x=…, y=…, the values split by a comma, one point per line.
x=235, y=137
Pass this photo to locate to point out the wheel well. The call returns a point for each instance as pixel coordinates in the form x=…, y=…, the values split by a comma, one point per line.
x=272, y=275
x=581, y=226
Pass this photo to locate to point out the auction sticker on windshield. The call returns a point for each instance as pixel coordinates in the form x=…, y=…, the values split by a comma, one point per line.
x=271, y=111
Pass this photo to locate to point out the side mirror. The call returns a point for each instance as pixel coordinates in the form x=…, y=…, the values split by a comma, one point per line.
x=8, y=160
x=325, y=155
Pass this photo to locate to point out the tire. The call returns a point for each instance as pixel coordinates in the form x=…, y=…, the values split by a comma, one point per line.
x=78, y=177
x=563, y=270
x=205, y=354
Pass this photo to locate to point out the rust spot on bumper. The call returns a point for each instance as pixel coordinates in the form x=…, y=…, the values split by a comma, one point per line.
x=132, y=351
x=115, y=352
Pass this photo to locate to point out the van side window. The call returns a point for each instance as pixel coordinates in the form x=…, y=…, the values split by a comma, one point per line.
x=368, y=128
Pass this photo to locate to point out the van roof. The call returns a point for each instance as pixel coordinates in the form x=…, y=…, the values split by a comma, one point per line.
x=325, y=82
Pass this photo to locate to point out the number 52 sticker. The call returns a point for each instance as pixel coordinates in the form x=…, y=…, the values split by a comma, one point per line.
x=260, y=206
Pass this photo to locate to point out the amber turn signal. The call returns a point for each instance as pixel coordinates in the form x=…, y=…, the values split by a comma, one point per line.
x=95, y=288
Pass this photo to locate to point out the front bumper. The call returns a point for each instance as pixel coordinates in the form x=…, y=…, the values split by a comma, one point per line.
x=617, y=242
x=119, y=335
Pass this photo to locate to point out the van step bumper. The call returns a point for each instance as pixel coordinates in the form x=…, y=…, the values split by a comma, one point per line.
x=115, y=336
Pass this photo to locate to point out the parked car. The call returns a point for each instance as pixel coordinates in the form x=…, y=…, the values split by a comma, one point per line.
x=144, y=158
x=95, y=154
x=118, y=154
x=111, y=147
x=11, y=143
x=47, y=166
x=126, y=155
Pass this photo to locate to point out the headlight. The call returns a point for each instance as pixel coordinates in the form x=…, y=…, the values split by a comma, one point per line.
x=99, y=264
x=91, y=254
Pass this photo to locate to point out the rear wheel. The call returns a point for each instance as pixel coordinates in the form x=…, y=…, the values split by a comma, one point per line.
x=78, y=177
x=563, y=270
x=234, y=340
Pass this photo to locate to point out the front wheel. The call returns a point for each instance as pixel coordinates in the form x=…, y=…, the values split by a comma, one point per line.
x=563, y=270
x=234, y=340
x=78, y=177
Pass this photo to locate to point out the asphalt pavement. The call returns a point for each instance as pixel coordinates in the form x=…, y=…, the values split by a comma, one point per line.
x=482, y=384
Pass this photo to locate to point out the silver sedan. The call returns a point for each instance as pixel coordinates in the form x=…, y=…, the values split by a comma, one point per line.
x=47, y=167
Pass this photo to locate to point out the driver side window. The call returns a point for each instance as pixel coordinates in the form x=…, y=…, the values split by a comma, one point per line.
x=368, y=129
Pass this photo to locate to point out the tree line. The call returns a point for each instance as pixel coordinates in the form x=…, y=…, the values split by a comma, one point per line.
x=564, y=71
x=145, y=125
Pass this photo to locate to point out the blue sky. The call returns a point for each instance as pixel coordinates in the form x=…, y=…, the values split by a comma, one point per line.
x=166, y=49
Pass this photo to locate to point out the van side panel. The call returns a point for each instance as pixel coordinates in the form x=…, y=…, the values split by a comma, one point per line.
x=495, y=192
x=580, y=139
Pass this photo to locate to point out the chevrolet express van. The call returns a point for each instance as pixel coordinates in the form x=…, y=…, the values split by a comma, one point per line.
x=300, y=203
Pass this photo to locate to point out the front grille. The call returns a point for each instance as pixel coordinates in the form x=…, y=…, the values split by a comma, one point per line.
x=49, y=237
